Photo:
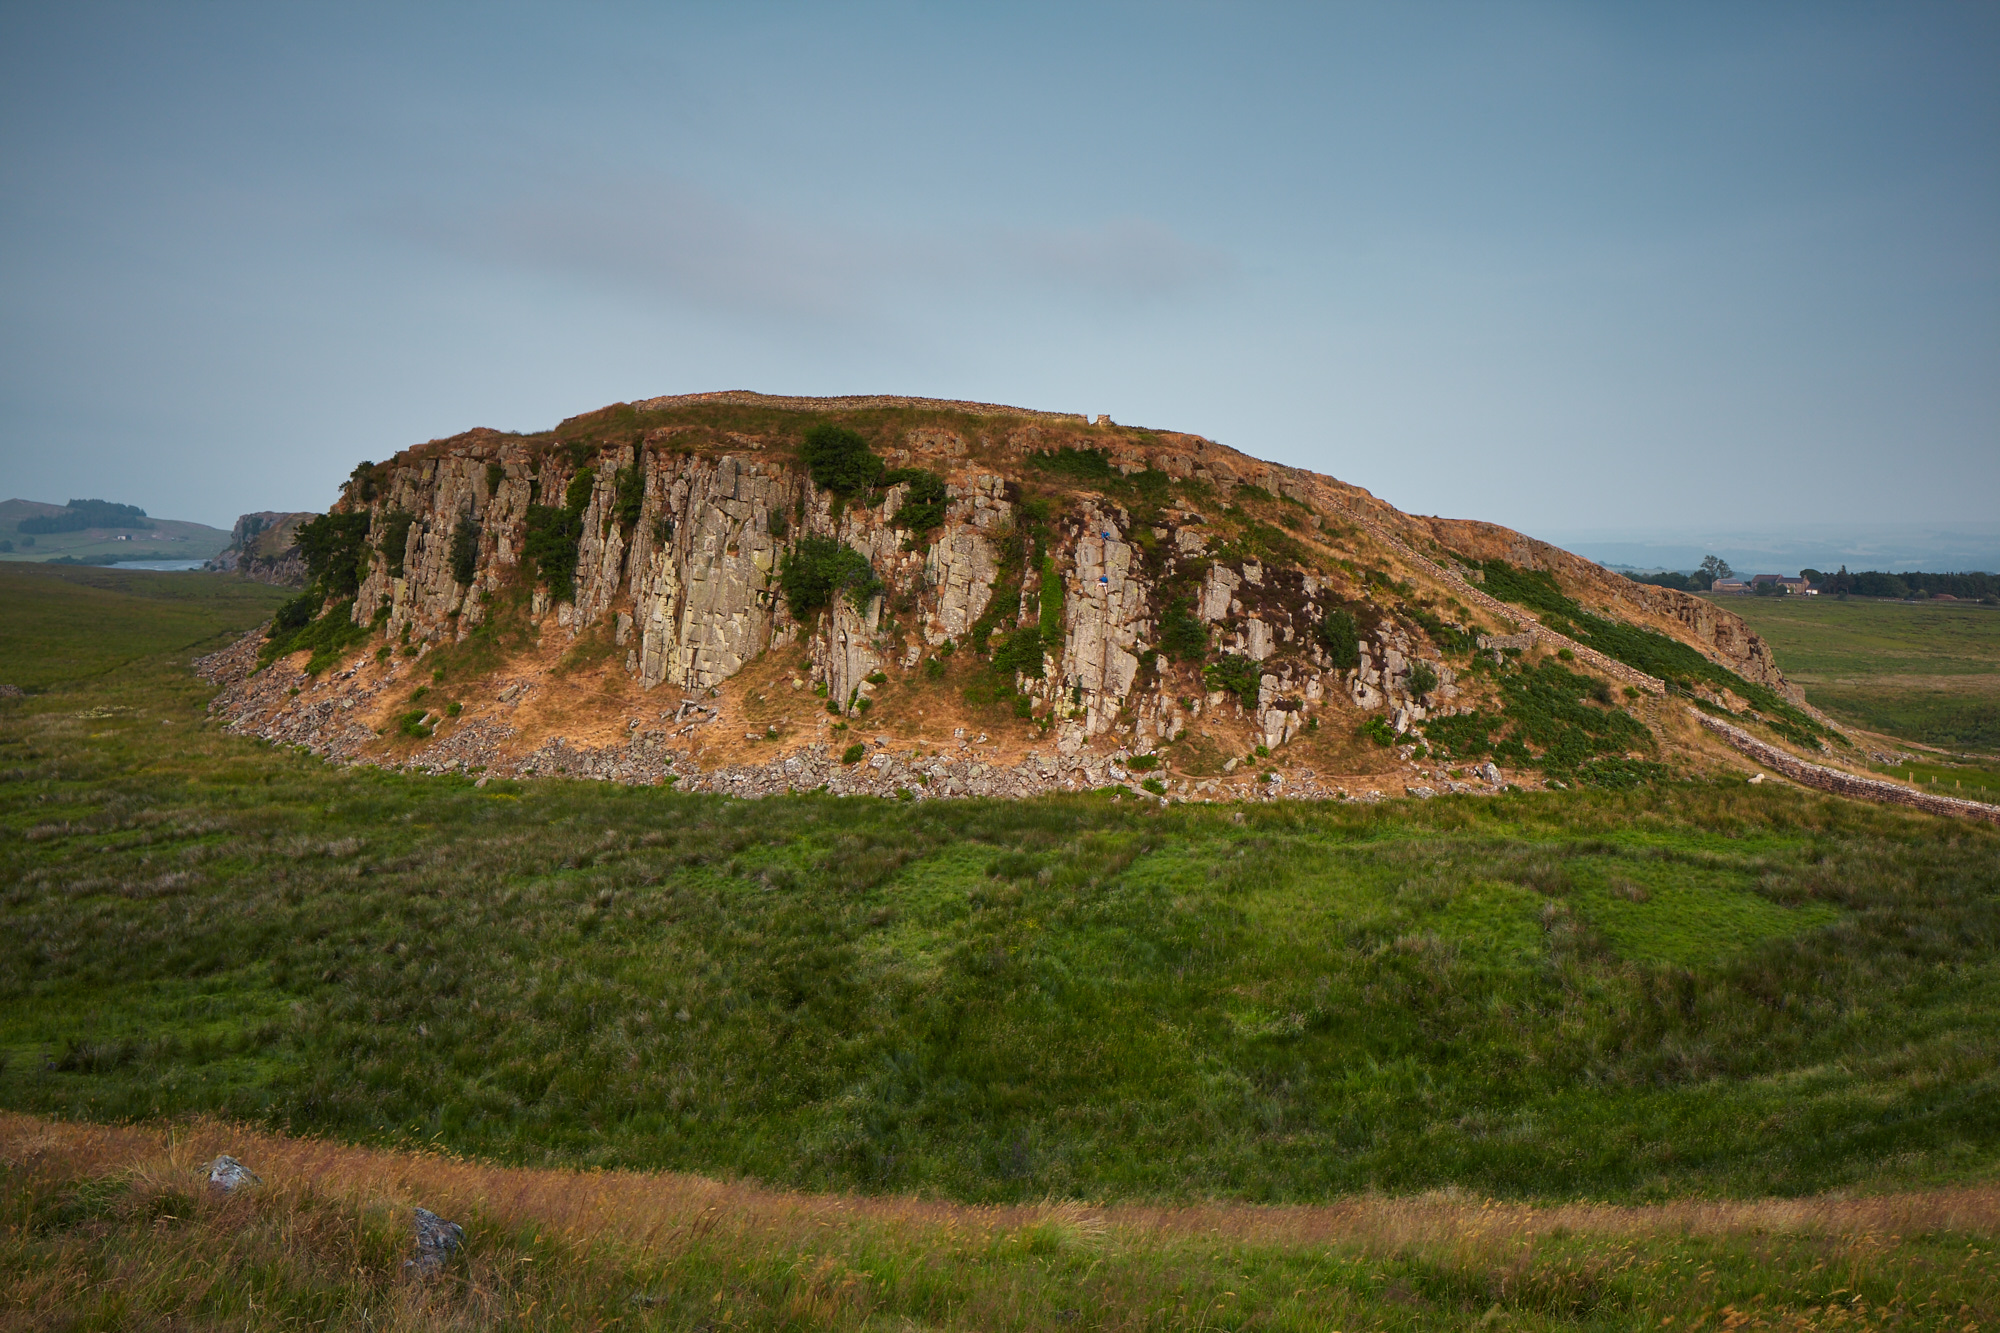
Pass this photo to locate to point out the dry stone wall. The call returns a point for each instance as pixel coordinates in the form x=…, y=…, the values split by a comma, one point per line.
x=1846, y=784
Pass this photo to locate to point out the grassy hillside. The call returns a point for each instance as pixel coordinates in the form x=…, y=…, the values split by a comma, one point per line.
x=1689, y=989
x=163, y=538
x=1926, y=671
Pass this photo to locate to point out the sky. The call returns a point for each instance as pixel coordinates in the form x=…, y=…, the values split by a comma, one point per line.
x=1657, y=268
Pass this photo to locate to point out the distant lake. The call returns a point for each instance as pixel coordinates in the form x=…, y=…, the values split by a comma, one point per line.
x=160, y=564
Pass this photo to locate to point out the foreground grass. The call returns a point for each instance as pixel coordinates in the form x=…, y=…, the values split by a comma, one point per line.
x=114, y=1228
x=1691, y=989
x=1926, y=671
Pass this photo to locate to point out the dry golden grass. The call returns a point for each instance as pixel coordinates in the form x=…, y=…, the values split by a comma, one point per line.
x=322, y=1240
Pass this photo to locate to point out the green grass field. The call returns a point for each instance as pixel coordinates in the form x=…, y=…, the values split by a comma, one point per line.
x=66, y=624
x=1689, y=989
x=1924, y=671
x=1680, y=993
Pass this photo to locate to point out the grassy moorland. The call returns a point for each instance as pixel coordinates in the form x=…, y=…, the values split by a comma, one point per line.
x=66, y=624
x=1684, y=991
x=1925, y=671
x=111, y=1228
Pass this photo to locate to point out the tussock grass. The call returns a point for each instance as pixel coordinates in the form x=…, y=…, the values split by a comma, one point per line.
x=114, y=1225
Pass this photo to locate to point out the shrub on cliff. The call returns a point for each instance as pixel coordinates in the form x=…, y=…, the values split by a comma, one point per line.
x=815, y=569
x=1183, y=637
x=1341, y=638
x=396, y=525
x=464, y=551
x=1237, y=675
x=1423, y=679
x=839, y=459
x=554, y=534
x=335, y=549
x=631, y=498
x=923, y=504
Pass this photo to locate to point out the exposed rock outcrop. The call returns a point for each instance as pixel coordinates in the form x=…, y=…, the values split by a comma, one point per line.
x=263, y=546
x=669, y=648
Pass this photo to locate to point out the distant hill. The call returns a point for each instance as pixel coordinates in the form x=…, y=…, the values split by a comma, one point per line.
x=101, y=532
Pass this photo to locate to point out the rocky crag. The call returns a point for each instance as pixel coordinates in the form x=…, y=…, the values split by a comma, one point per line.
x=749, y=594
x=264, y=547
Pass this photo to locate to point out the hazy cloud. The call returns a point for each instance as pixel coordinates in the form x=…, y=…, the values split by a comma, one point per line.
x=679, y=243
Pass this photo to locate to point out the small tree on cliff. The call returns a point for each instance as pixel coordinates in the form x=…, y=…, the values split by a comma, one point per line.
x=839, y=459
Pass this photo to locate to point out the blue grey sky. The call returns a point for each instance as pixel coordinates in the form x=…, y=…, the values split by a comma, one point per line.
x=1559, y=266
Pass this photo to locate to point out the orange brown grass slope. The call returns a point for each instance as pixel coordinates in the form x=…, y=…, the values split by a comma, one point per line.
x=116, y=1227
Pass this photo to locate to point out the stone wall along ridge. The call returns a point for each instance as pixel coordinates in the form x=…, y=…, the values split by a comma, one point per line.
x=855, y=403
x=1845, y=784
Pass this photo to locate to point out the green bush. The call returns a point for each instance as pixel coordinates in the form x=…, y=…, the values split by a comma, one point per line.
x=934, y=668
x=396, y=525
x=630, y=497
x=464, y=551
x=335, y=550
x=924, y=504
x=1423, y=679
x=853, y=754
x=328, y=636
x=554, y=534
x=1238, y=675
x=1376, y=728
x=1049, y=600
x=1143, y=763
x=1464, y=735
x=295, y=614
x=839, y=460
x=412, y=724
x=815, y=569
x=1155, y=786
x=1183, y=636
x=1341, y=638
x=1020, y=651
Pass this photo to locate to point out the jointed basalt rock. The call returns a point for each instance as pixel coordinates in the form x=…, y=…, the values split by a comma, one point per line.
x=681, y=536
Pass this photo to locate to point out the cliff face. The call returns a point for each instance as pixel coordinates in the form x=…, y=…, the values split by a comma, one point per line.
x=1080, y=559
x=264, y=547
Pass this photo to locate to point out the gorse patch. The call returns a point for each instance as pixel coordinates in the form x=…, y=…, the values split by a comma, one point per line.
x=1341, y=637
x=1183, y=636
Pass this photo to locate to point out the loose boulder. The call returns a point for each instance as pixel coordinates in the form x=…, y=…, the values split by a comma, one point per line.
x=228, y=1175
x=437, y=1241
